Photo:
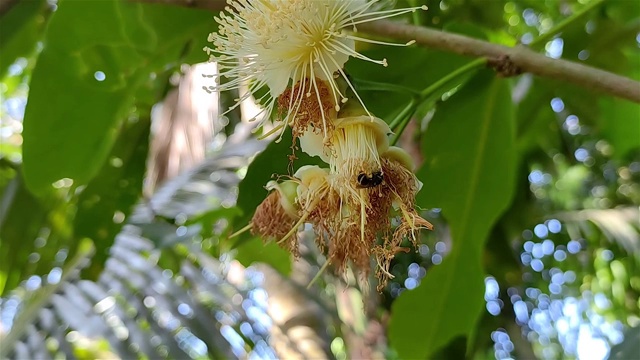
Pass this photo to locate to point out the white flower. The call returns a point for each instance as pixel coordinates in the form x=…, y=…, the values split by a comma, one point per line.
x=277, y=43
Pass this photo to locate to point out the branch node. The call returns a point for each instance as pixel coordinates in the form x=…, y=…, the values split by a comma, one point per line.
x=504, y=66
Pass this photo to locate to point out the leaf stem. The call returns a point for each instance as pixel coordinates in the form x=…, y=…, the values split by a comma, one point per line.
x=408, y=110
x=320, y=272
x=415, y=16
x=374, y=85
x=452, y=76
x=244, y=229
x=402, y=126
x=402, y=120
x=521, y=57
x=542, y=39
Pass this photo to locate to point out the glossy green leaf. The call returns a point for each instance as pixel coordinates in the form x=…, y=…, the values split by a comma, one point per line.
x=537, y=122
x=469, y=173
x=619, y=119
x=85, y=82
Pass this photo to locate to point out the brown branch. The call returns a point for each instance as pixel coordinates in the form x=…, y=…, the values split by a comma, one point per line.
x=6, y=5
x=520, y=56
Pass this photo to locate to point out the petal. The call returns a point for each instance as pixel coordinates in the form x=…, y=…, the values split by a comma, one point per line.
x=277, y=79
x=401, y=156
x=313, y=144
x=381, y=128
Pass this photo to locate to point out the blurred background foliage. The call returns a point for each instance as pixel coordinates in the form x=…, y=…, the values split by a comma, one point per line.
x=121, y=183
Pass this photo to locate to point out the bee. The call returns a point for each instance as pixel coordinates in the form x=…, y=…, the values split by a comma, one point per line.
x=365, y=181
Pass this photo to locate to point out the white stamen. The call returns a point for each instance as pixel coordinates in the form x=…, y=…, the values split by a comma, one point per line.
x=275, y=44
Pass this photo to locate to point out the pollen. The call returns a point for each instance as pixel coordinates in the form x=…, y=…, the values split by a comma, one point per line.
x=313, y=105
x=271, y=221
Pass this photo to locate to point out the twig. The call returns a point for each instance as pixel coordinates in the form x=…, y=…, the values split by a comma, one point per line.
x=7, y=5
x=520, y=56
x=541, y=40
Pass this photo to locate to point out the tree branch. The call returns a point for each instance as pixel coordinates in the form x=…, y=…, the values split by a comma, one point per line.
x=519, y=56
x=6, y=5
x=507, y=60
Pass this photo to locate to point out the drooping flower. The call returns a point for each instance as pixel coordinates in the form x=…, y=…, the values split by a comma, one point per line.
x=400, y=188
x=290, y=204
x=277, y=213
x=275, y=44
x=352, y=228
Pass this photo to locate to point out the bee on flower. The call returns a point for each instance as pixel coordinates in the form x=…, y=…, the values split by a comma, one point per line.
x=352, y=229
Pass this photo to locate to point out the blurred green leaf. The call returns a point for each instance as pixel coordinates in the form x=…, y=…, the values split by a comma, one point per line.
x=69, y=133
x=11, y=246
x=469, y=173
x=619, y=122
x=21, y=221
x=21, y=28
x=537, y=123
x=255, y=250
x=105, y=204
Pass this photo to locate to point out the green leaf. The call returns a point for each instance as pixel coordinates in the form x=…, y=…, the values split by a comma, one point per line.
x=20, y=28
x=537, y=123
x=619, y=122
x=270, y=253
x=619, y=119
x=72, y=117
x=108, y=199
x=20, y=222
x=469, y=173
x=32, y=230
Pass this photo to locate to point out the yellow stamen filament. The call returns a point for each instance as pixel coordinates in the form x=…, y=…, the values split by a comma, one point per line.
x=241, y=231
x=294, y=229
x=320, y=272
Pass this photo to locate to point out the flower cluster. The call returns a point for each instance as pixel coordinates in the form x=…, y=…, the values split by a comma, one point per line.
x=290, y=54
